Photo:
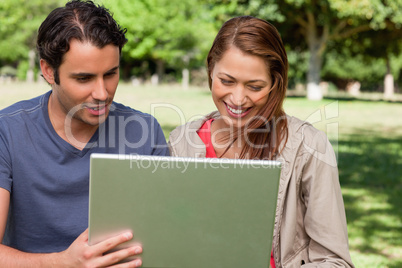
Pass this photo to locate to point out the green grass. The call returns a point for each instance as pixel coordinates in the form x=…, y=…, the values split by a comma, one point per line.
x=370, y=174
x=367, y=137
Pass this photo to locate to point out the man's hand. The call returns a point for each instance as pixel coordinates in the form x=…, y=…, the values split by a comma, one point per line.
x=80, y=254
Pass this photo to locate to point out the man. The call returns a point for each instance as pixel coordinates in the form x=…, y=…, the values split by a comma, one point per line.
x=46, y=142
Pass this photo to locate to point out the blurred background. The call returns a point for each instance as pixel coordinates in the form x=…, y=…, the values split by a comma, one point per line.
x=334, y=46
x=345, y=77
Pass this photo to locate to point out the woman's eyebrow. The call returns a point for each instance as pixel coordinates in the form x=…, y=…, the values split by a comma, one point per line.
x=250, y=81
x=257, y=80
x=228, y=75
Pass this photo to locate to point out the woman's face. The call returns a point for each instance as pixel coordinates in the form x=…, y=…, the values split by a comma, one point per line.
x=240, y=86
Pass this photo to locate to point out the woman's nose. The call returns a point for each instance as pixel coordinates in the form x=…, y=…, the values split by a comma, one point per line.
x=239, y=95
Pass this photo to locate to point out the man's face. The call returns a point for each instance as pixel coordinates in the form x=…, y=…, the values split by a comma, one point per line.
x=88, y=81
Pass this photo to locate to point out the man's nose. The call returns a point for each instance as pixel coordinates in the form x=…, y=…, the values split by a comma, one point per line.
x=99, y=91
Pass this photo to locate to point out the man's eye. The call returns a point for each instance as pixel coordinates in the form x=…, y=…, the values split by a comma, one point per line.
x=110, y=74
x=82, y=79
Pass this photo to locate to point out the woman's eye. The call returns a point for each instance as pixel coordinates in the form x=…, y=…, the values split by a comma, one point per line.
x=226, y=82
x=255, y=88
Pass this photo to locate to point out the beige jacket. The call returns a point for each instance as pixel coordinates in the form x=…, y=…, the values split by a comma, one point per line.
x=310, y=223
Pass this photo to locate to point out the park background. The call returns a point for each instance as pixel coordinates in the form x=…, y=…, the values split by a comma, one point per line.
x=345, y=77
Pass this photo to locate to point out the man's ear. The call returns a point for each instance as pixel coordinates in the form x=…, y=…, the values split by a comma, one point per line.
x=47, y=71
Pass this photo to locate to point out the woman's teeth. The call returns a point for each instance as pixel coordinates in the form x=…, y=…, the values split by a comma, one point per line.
x=235, y=111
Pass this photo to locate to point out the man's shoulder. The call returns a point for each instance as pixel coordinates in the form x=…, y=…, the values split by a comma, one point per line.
x=24, y=106
x=126, y=114
x=119, y=109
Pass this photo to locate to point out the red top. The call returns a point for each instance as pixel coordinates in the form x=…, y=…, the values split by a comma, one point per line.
x=205, y=135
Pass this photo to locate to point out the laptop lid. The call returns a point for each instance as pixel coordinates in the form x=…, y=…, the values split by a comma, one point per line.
x=186, y=212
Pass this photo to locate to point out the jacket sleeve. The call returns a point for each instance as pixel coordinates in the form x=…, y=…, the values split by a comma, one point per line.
x=172, y=149
x=325, y=220
x=185, y=142
x=175, y=140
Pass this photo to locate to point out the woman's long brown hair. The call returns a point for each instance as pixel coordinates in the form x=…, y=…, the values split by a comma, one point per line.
x=266, y=131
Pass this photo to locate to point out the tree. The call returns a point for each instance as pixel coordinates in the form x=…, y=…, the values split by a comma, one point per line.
x=343, y=67
x=20, y=20
x=384, y=44
x=371, y=55
x=320, y=21
x=311, y=24
x=173, y=32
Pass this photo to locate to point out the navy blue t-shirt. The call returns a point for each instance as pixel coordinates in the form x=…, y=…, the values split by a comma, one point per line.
x=48, y=178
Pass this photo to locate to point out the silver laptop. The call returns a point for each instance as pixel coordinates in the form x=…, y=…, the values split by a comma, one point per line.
x=186, y=212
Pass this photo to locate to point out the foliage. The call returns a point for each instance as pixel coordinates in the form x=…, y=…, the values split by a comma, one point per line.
x=23, y=68
x=222, y=10
x=298, y=65
x=174, y=31
x=337, y=39
x=314, y=24
x=310, y=25
x=364, y=57
x=343, y=67
x=20, y=20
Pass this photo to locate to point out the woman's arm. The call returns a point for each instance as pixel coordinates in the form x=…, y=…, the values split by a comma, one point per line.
x=325, y=220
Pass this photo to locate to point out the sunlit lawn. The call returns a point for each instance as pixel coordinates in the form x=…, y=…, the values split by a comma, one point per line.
x=367, y=137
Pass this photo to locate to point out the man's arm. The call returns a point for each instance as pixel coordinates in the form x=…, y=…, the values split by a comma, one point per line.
x=4, y=205
x=79, y=254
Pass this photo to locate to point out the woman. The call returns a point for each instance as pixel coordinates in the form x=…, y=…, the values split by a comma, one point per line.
x=247, y=71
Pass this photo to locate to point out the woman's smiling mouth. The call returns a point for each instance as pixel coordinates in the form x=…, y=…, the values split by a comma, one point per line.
x=237, y=112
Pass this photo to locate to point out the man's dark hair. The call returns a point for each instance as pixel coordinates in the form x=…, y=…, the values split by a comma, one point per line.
x=81, y=20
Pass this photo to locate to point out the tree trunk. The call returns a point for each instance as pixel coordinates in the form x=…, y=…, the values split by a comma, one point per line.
x=314, y=91
x=160, y=69
x=316, y=45
x=185, y=82
x=185, y=78
x=31, y=66
x=388, y=83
